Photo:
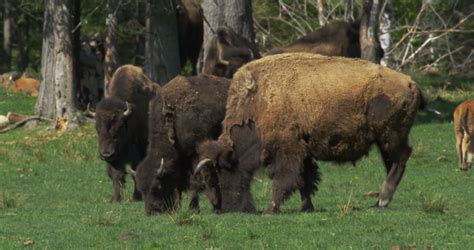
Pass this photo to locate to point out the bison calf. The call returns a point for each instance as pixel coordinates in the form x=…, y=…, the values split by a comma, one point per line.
x=122, y=124
x=283, y=111
x=464, y=131
x=186, y=112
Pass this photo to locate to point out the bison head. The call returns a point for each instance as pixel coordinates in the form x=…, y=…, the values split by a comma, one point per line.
x=111, y=125
x=228, y=52
x=158, y=186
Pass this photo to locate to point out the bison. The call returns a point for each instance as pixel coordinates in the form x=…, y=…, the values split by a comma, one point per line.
x=122, y=124
x=25, y=85
x=190, y=31
x=283, y=111
x=228, y=51
x=464, y=131
x=337, y=38
x=186, y=112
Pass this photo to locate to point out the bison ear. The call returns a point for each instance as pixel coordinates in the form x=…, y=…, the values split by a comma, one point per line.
x=228, y=159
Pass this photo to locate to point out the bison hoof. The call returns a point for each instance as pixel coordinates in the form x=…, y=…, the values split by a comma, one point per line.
x=307, y=207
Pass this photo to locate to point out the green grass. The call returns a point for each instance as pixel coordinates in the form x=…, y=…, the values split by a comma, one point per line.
x=54, y=193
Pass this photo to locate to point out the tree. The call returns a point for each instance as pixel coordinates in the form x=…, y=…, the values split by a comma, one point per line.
x=57, y=98
x=368, y=31
x=321, y=17
x=236, y=14
x=7, y=34
x=111, y=57
x=22, y=40
x=161, y=41
x=349, y=11
x=385, y=29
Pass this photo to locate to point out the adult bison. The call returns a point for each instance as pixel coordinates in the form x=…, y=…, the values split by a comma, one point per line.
x=337, y=38
x=228, y=51
x=190, y=31
x=122, y=124
x=464, y=131
x=285, y=110
x=186, y=112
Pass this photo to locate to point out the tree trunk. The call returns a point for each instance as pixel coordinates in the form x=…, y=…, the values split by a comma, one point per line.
x=45, y=102
x=368, y=31
x=22, y=44
x=61, y=77
x=349, y=15
x=385, y=29
x=140, y=38
x=7, y=34
x=161, y=45
x=321, y=17
x=236, y=14
x=111, y=57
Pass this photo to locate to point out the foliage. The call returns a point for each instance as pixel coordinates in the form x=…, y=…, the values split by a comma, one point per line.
x=58, y=194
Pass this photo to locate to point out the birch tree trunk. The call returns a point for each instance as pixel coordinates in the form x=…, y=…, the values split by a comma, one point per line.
x=368, y=31
x=385, y=29
x=161, y=42
x=349, y=11
x=236, y=14
x=111, y=57
x=7, y=34
x=321, y=17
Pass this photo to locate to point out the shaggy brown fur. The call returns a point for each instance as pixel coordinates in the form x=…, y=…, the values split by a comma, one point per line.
x=227, y=53
x=123, y=129
x=26, y=85
x=190, y=31
x=337, y=38
x=464, y=131
x=298, y=106
x=188, y=111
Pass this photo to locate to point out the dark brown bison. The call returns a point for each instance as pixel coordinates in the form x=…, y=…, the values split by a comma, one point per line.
x=227, y=53
x=464, y=131
x=122, y=124
x=337, y=38
x=190, y=31
x=186, y=112
x=285, y=110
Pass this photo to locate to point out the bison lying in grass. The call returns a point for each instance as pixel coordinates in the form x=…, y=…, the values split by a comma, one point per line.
x=285, y=110
x=122, y=124
x=186, y=112
x=337, y=38
x=464, y=130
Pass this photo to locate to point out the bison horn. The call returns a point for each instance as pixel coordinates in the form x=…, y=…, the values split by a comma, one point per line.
x=202, y=164
x=127, y=111
x=162, y=167
x=131, y=171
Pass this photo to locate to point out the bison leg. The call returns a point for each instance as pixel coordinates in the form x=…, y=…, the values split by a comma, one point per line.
x=118, y=179
x=194, y=200
x=465, y=146
x=398, y=156
x=286, y=178
x=311, y=178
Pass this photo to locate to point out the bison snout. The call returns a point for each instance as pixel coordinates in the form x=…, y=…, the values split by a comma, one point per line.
x=107, y=155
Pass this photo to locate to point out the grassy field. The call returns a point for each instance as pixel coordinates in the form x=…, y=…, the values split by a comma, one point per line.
x=54, y=193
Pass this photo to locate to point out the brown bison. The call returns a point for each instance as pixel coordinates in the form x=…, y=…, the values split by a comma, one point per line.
x=337, y=38
x=285, y=110
x=186, y=112
x=228, y=51
x=464, y=131
x=122, y=124
x=190, y=31
x=25, y=85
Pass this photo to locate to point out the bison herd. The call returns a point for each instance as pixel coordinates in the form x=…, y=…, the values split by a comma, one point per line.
x=302, y=103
